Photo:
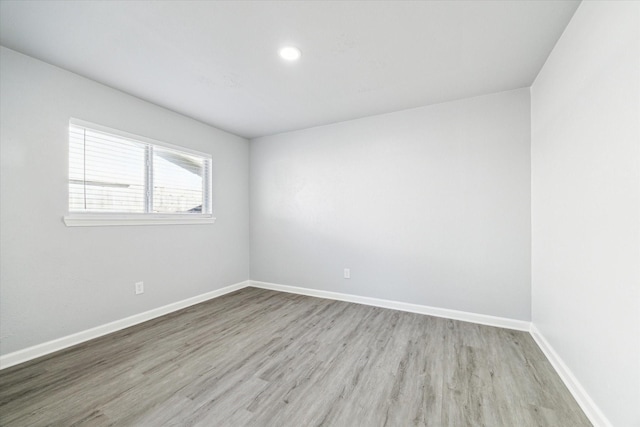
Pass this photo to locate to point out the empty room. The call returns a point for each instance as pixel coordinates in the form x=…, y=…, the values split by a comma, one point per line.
x=320, y=213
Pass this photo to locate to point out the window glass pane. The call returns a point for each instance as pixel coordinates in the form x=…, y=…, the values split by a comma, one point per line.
x=177, y=182
x=106, y=173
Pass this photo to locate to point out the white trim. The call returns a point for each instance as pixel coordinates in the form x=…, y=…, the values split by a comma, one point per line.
x=98, y=220
x=43, y=349
x=483, y=319
x=591, y=410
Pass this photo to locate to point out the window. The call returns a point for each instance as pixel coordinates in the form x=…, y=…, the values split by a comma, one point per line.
x=119, y=178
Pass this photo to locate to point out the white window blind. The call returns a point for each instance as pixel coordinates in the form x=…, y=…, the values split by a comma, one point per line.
x=114, y=172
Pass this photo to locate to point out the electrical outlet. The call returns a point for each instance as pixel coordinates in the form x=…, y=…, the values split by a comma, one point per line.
x=139, y=288
x=347, y=273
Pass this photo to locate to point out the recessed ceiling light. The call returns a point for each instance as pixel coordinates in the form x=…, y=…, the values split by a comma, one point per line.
x=290, y=53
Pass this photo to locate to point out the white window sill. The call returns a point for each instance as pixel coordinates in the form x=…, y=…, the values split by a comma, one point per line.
x=100, y=220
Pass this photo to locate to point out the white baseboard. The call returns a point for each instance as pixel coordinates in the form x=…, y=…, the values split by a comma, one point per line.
x=43, y=349
x=591, y=410
x=483, y=319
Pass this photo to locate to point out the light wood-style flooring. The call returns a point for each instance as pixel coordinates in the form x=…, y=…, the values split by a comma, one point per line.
x=265, y=358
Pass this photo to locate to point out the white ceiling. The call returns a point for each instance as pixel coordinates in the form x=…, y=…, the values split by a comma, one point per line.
x=217, y=61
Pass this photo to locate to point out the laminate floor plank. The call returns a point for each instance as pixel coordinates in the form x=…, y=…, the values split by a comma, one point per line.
x=265, y=358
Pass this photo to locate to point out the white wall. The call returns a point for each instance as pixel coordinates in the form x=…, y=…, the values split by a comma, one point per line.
x=585, y=204
x=57, y=280
x=428, y=206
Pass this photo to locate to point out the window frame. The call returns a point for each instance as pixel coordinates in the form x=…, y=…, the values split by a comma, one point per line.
x=90, y=219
